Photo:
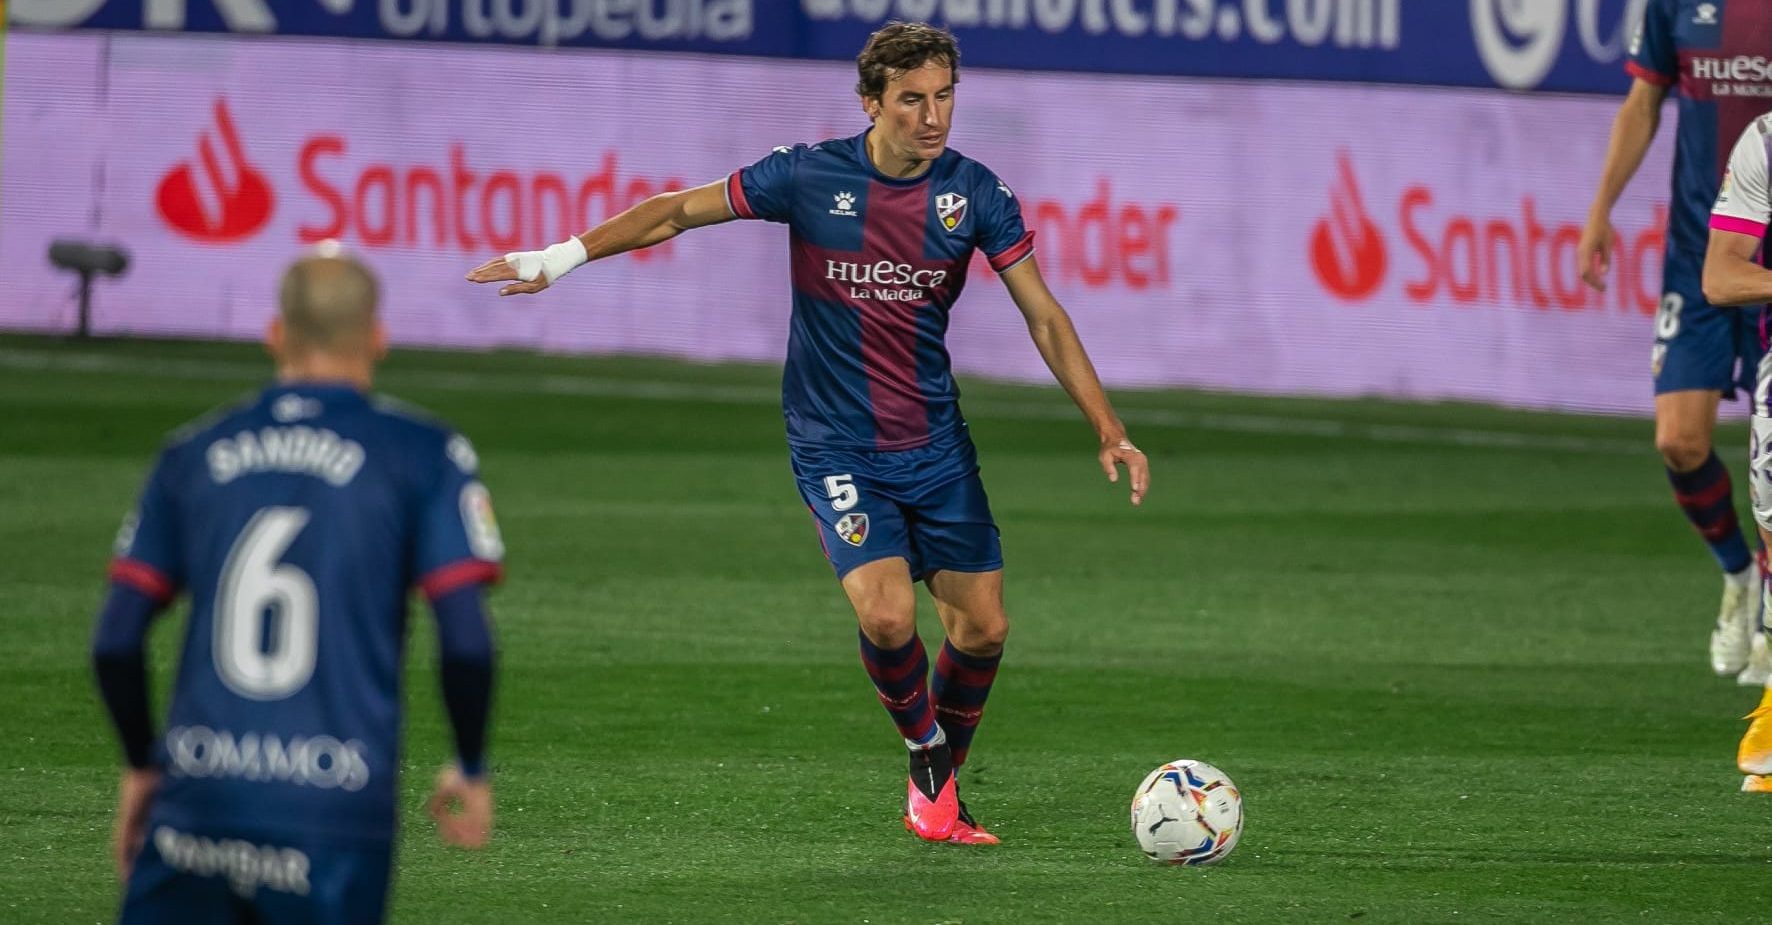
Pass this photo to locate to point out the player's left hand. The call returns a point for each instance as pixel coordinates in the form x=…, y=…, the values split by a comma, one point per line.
x=462, y=807
x=134, y=795
x=1119, y=451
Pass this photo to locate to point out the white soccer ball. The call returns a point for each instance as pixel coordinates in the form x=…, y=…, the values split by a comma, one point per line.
x=1187, y=812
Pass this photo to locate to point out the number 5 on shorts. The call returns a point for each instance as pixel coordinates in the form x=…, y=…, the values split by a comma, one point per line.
x=842, y=492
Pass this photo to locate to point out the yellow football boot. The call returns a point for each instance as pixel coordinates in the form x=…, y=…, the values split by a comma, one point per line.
x=1754, y=756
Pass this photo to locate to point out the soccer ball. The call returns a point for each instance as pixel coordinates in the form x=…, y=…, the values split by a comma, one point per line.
x=1187, y=812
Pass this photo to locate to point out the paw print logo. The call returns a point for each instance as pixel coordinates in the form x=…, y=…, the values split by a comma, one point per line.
x=845, y=201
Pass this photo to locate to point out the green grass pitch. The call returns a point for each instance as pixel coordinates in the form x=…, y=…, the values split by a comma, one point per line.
x=1453, y=656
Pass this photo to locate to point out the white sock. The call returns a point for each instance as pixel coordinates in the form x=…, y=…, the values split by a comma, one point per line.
x=1745, y=577
x=936, y=738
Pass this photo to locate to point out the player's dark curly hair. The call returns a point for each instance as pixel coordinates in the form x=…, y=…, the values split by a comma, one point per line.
x=900, y=47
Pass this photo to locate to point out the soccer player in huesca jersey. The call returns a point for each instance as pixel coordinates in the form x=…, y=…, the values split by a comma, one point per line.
x=297, y=521
x=1735, y=274
x=1702, y=353
x=882, y=227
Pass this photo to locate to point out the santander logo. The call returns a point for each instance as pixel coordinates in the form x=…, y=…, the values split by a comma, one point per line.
x=1502, y=255
x=1346, y=247
x=223, y=198
x=336, y=185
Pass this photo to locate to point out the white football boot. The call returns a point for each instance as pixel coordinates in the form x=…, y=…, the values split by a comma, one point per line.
x=1759, y=660
x=1731, y=643
x=1759, y=664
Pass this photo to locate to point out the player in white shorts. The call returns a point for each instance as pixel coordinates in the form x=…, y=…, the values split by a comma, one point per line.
x=1736, y=273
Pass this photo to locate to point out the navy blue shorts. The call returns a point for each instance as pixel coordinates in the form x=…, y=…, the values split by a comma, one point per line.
x=1697, y=345
x=926, y=506
x=182, y=877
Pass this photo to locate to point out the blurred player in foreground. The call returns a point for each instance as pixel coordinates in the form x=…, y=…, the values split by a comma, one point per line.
x=1735, y=274
x=297, y=521
x=882, y=227
x=1701, y=353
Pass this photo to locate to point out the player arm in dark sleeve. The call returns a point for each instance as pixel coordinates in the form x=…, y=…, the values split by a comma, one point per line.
x=1654, y=54
x=144, y=577
x=457, y=556
x=465, y=657
x=119, y=661
x=466, y=661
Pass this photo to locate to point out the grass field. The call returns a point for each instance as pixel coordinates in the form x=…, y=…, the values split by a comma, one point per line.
x=1453, y=656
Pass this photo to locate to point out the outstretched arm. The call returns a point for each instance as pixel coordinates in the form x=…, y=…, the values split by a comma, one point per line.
x=1056, y=338
x=653, y=221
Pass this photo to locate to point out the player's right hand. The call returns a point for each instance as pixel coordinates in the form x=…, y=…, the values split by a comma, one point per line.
x=1594, y=254
x=135, y=793
x=462, y=807
x=499, y=269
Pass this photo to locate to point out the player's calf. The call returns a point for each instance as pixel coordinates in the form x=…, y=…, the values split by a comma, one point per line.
x=962, y=683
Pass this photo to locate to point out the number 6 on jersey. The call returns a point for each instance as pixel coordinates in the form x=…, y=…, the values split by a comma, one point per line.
x=251, y=583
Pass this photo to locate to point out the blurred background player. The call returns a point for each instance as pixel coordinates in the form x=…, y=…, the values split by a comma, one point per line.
x=1701, y=353
x=882, y=227
x=297, y=521
x=1735, y=274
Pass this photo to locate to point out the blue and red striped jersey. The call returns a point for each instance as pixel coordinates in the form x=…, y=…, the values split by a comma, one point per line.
x=878, y=263
x=298, y=522
x=1718, y=53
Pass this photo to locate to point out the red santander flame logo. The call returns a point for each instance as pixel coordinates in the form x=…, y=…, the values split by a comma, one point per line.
x=1346, y=247
x=223, y=198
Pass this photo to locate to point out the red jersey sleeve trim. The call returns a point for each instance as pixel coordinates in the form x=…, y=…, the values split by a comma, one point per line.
x=735, y=196
x=458, y=575
x=1014, y=253
x=142, y=577
x=1655, y=77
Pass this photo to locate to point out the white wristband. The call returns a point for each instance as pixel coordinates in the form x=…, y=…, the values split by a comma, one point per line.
x=556, y=261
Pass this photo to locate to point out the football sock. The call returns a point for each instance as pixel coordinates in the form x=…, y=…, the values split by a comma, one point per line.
x=1708, y=498
x=962, y=682
x=931, y=768
x=936, y=737
x=901, y=676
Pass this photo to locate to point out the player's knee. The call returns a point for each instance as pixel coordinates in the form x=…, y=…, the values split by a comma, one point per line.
x=980, y=634
x=887, y=623
x=1682, y=452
